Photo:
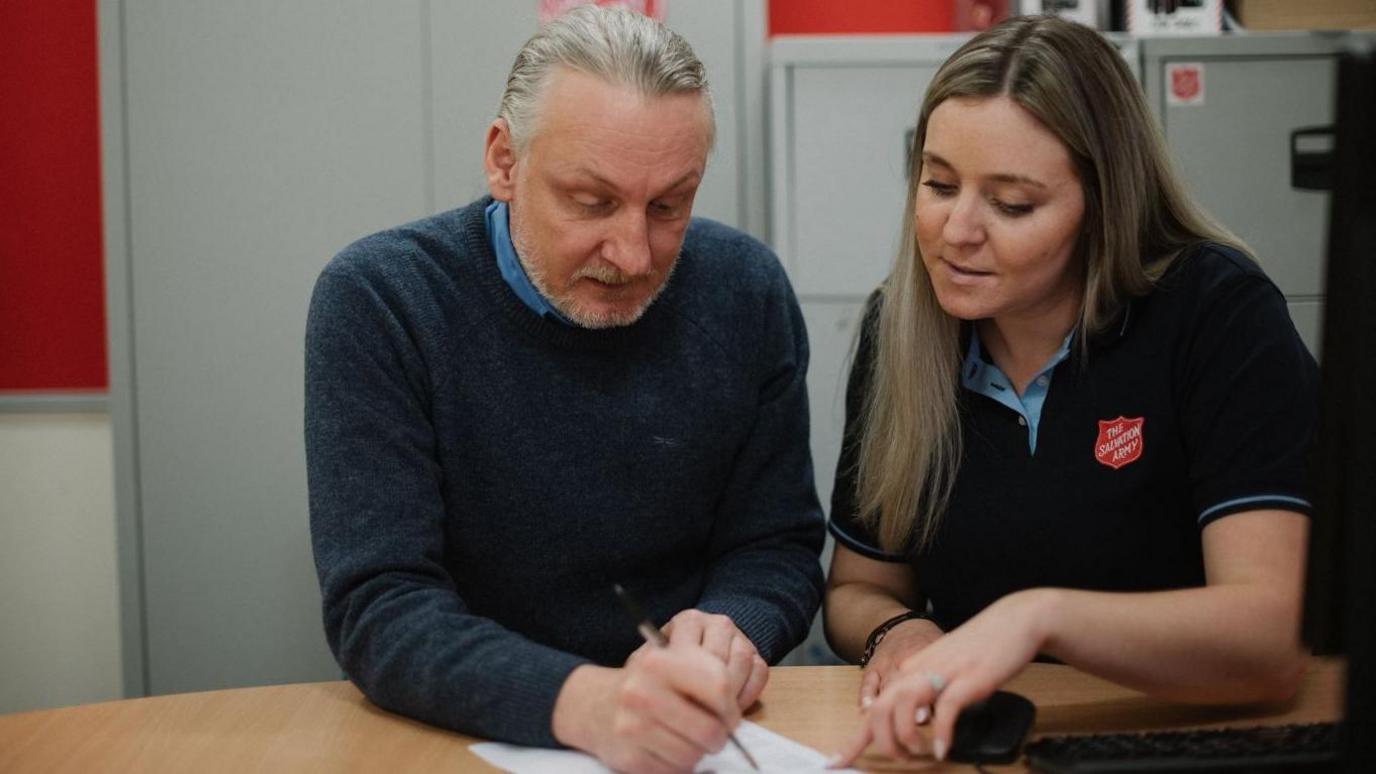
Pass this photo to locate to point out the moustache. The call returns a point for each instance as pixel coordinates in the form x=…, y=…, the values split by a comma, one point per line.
x=608, y=275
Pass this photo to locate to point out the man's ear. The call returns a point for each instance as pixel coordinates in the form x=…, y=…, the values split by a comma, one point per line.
x=499, y=161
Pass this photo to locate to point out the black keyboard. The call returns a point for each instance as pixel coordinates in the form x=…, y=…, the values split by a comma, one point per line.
x=1300, y=748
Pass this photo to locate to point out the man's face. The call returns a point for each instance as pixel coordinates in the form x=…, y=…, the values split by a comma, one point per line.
x=601, y=196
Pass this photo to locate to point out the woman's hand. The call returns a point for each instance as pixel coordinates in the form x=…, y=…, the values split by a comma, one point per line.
x=954, y=671
x=899, y=643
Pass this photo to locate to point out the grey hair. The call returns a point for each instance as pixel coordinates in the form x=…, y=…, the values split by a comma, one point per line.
x=615, y=45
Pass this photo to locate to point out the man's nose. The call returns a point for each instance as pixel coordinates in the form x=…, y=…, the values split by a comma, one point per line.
x=628, y=246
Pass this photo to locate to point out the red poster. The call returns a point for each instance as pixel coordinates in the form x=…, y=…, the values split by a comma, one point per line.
x=651, y=8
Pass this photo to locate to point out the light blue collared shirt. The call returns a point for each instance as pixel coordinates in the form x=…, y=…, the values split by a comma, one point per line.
x=988, y=380
x=499, y=236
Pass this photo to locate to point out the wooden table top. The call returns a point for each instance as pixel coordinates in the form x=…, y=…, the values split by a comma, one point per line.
x=330, y=727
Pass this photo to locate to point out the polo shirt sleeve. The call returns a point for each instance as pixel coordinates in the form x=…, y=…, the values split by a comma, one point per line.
x=1248, y=400
x=845, y=523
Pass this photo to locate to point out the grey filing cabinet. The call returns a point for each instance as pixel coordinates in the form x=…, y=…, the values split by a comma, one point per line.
x=244, y=144
x=840, y=109
x=1233, y=147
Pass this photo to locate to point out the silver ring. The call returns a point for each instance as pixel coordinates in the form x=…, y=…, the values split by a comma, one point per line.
x=937, y=682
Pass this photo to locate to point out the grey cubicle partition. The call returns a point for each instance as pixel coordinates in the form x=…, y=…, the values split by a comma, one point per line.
x=840, y=110
x=245, y=143
x=840, y=107
x=1233, y=146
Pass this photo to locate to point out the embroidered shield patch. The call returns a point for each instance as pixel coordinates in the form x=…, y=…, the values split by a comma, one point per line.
x=1119, y=441
x=1185, y=83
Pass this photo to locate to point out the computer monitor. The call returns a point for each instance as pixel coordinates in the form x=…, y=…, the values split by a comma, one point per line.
x=1340, y=596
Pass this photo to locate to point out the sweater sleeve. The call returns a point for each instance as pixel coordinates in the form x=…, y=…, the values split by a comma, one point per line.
x=393, y=618
x=764, y=570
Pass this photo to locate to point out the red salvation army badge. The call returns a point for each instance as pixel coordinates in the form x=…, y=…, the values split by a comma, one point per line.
x=1119, y=441
x=1186, y=83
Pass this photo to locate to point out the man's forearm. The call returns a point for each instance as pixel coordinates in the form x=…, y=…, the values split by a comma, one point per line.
x=581, y=709
x=772, y=594
x=416, y=652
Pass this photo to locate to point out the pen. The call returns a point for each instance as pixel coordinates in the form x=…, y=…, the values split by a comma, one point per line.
x=655, y=637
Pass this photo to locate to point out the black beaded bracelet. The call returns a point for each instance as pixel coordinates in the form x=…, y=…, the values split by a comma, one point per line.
x=877, y=636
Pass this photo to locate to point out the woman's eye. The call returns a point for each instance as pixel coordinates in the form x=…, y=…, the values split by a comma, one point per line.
x=1012, y=210
x=940, y=189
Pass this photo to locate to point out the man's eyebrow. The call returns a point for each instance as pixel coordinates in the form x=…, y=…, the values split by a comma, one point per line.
x=584, y=172
x=609, y=185
x=694, y=175
x=1005, y=177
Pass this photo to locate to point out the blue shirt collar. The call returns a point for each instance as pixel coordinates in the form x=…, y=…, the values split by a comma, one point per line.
x=499, y=236
x=989, y=380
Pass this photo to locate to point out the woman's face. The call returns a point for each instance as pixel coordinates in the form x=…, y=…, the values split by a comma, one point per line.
x=998, y=211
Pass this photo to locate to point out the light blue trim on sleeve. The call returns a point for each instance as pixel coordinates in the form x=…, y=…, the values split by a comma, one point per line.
x=861, y=547
x=1255, y=499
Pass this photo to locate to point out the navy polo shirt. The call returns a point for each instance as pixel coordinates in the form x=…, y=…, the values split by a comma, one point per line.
x=1199, y=401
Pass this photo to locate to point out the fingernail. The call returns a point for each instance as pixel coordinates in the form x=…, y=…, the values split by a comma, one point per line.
x=866, y=702
x=939, y=747
x=923, y=714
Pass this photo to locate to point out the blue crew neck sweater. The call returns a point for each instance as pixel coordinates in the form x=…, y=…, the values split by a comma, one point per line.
x=479, y=474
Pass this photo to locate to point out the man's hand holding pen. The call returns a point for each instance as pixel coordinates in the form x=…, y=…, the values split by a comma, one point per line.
x=718, y=635
x=661, y=712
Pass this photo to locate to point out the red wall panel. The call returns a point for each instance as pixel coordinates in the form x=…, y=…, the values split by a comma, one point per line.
x=828, y=17
x=52, y=300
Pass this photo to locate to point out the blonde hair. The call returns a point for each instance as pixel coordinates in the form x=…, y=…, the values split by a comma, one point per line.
x=1137, y=219
x=613, y=44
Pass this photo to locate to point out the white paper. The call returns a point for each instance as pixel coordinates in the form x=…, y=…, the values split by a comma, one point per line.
x=772, y=751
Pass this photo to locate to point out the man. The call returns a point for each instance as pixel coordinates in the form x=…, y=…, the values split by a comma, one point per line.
x=512, y=405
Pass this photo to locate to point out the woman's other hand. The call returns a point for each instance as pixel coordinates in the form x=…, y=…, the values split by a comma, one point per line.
x=949, y=674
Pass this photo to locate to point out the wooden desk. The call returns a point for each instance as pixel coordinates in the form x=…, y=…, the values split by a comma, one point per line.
x=330, y=727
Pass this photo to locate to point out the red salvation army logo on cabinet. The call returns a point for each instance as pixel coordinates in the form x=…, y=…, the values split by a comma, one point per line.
x=1186, y=83
x=1119, y=442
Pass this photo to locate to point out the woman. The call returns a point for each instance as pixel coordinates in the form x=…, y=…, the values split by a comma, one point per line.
x=1077, y=416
